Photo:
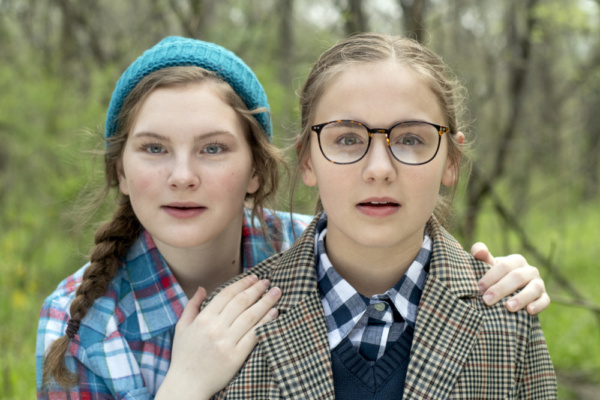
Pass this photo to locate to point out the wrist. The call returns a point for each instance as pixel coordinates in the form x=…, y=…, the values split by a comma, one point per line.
x=175, y=388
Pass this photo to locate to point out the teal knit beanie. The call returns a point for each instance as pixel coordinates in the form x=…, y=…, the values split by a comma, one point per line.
x=176, y=51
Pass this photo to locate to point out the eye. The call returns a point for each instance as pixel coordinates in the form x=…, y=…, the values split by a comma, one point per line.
x=153, y=148
x=410, y=140
x=348, y=140
x=215, y=148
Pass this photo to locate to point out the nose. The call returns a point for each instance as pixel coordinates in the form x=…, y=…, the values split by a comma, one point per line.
x=183, y=175
x=380, y=165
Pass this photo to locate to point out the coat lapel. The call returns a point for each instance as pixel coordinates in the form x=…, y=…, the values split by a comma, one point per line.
x=295, y=345
x=446, y=326
x=297, y=351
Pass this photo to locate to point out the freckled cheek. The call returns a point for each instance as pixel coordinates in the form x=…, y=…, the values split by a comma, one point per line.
x=143, y=180
x=231, y=184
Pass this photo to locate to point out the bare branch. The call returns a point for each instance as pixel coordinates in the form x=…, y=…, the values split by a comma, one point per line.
x=577, y=303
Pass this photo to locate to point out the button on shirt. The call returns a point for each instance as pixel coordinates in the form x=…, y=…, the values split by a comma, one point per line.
x=371, y=324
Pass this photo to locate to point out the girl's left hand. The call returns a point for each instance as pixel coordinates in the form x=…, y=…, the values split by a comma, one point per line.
x=507, y=275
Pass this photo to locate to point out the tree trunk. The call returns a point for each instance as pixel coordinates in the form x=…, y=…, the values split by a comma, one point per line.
x=194, y=17
x=354, y=17
x=286, y=59
x=480, y=186
x=413, y=12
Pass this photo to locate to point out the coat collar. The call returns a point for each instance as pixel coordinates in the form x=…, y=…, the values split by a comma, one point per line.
x=295, y=344
x=295, y=272
x=447, y=327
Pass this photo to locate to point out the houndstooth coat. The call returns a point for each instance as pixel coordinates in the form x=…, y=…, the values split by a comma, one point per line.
x=462, y=349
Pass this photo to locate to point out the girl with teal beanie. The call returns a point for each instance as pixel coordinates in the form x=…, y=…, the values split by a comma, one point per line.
x=189, y=153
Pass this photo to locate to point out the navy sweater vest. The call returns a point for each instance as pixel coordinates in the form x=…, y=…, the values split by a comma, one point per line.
x=356, y=378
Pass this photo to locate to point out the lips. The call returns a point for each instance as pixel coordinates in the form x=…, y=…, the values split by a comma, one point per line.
x=378, y=207
x=183, y=210
x=379, y=204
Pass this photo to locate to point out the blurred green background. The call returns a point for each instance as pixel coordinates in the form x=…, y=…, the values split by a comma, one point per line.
x=532, y=68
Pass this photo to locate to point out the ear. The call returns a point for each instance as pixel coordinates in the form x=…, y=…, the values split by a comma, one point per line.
x=122, y=180
x=451, y=170
x=308, y=172
x=253, y=183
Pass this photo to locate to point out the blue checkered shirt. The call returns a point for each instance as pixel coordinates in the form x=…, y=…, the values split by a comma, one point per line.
x=123, y=347
x=371, y=324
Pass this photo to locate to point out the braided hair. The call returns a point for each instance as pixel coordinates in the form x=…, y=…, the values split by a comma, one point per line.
x=114, y=238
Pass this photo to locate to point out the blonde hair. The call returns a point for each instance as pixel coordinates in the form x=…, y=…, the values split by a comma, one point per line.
x=371, y=48
x=114, y=238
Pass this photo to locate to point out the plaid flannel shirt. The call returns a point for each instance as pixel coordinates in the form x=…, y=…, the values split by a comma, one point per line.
x=123, y=347
x=372, y=324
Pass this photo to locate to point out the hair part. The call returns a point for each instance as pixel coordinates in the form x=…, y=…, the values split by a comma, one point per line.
x=368, y=48
x=114, y=238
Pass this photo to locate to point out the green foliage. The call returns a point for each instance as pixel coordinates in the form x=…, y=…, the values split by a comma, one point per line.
x=41, y=120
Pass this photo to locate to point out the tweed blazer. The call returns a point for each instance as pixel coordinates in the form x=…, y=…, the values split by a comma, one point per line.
x=462, y=349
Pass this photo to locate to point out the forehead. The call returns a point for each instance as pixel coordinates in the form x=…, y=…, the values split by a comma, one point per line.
x=186, y=94
x=193, y=108
x=198, y=99
x=377, y=94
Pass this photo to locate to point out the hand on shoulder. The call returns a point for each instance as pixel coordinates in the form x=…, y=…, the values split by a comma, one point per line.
x=506, y=276
x=211, y=344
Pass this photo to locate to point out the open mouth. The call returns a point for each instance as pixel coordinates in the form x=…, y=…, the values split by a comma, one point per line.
x=378, y=209
x=379, y=204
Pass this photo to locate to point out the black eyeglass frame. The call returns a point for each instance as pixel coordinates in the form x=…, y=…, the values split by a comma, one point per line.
x=319, y=127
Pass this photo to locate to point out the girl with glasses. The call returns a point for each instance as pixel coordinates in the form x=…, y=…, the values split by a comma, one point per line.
x=188, y=153
x=379, y=300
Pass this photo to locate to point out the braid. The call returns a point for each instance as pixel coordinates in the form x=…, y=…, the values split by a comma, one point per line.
x=112, y=241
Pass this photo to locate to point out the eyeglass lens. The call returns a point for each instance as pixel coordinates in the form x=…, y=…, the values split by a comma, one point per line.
x=411, y=142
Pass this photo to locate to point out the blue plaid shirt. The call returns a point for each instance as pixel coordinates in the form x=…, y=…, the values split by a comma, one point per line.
x=123, y=347
x=371, y=324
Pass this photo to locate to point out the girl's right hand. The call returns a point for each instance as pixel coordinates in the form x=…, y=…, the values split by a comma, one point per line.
x=210, y=345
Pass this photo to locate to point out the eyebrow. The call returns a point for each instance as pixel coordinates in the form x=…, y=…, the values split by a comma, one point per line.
x=197, y=138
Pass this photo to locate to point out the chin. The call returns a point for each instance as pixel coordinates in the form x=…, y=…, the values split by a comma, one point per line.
x=180, y=241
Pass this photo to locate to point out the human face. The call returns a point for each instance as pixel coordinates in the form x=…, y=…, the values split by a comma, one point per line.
x=187, y=167
x=378, y=202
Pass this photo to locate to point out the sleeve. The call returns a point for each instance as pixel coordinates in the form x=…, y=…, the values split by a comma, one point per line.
x=79, y=359
x=292, y=228
x=535, y=373
x=52, y=325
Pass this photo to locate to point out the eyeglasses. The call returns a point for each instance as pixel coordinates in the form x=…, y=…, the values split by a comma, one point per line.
x=410, y=142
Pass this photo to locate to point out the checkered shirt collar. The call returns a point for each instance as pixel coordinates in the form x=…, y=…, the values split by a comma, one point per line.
x=159, y=299
x=156, y=292
x=344, y=306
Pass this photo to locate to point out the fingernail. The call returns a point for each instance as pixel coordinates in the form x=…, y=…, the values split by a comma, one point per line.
x=531, y=309
x=512, y=305
x=273, y=313
x=253, y=278
x=275, y=292
x=481, y=286
x=266, y=282
x=487, y=298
